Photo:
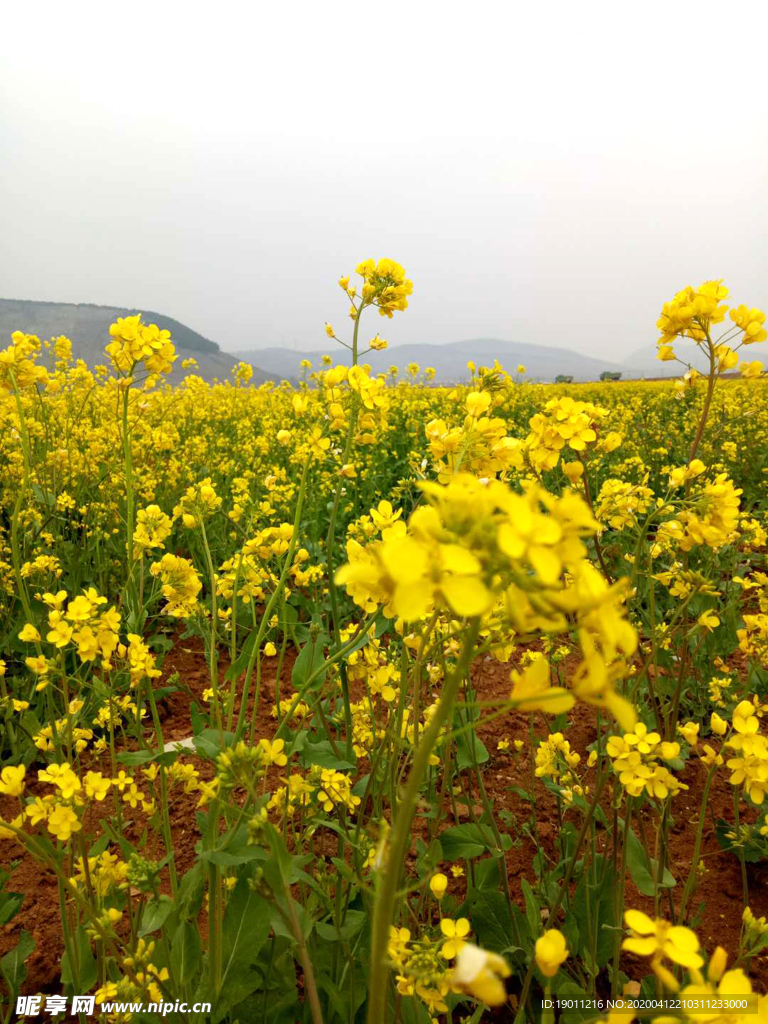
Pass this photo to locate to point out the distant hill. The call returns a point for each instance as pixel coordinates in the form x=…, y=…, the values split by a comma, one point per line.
x=450, y=361
x=644, y=359
x=87, y=326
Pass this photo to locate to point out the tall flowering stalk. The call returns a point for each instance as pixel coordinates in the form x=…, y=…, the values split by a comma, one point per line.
x=135, y=348
x=386, y=287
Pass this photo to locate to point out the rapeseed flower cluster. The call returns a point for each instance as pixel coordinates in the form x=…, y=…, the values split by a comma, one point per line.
x=636, y=758
x=134, y=342
x=565, y=424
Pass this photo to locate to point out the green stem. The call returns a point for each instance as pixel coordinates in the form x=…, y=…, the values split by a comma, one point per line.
x=620, y=897
x=596, y=538
x=707, y=401
x=742, y=860
x=386, y=888
x=21, y=585
x=133, y=610
x=215, y=950
x=697, y=844
x=274, y=597
x=213, y=653
x=600, y=785
x=331, y=542
x=164, y=812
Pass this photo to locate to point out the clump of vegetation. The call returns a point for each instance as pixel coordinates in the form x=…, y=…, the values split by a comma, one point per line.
x=368, y=544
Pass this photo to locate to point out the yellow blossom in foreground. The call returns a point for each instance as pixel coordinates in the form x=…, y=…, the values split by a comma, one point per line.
x=134, y=342
x=479, y=544
x=12, y=780
x=635, y=757
x=438, y=884
x=659, y=938
x=751, y=322
x=62, y=822
x=531, y=690
x=385, y=285
x=96, y=786
x=753, y=369
x=718, y=725
x=8, y=833
x=180, y=584
x=551, y=950
x=480, y=974
x=272, y=752
x=455, y=932
x=708, y=620
x=690, y=732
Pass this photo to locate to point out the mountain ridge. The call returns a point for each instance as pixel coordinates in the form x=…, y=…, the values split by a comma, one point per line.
x=87, y=324
x=542, y=362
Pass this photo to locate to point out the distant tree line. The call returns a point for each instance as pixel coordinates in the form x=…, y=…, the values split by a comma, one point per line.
x=564, y=378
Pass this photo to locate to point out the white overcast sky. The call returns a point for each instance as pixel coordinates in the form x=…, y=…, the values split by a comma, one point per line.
x=546, y=172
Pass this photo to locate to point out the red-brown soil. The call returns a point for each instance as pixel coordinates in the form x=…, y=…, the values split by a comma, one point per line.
x=720, y=890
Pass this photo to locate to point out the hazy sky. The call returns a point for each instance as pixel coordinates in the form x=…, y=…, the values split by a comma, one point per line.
x=546, y=172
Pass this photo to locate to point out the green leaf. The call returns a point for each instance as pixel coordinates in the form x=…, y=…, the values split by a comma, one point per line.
x=280, y=927
x=233, y=855
x=564, y=989
x=335, y=999
x=593, y=913
x=344, y=870
x=44, y=497
x=290, y=616
x=321, y=753
x=413, y=1011
x=246, y=927
x=470, y=750
x=282, y=1006
x=463, y=842
x=494, y=924
x=240, y=664
x=186, y=953
x=532, y=913
x=10, y=904
x=310, y=658
x=753, y=850
x=189, y=897
x=12, y=966
x=638, y=865
x=427, y=857
x=210, y=743
x=88, y=969
x=488, y=873
x=522, y=793
x=155, y=915
x=198, y=720
x=327, y=929
x=360, y=786
x=134, y=758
